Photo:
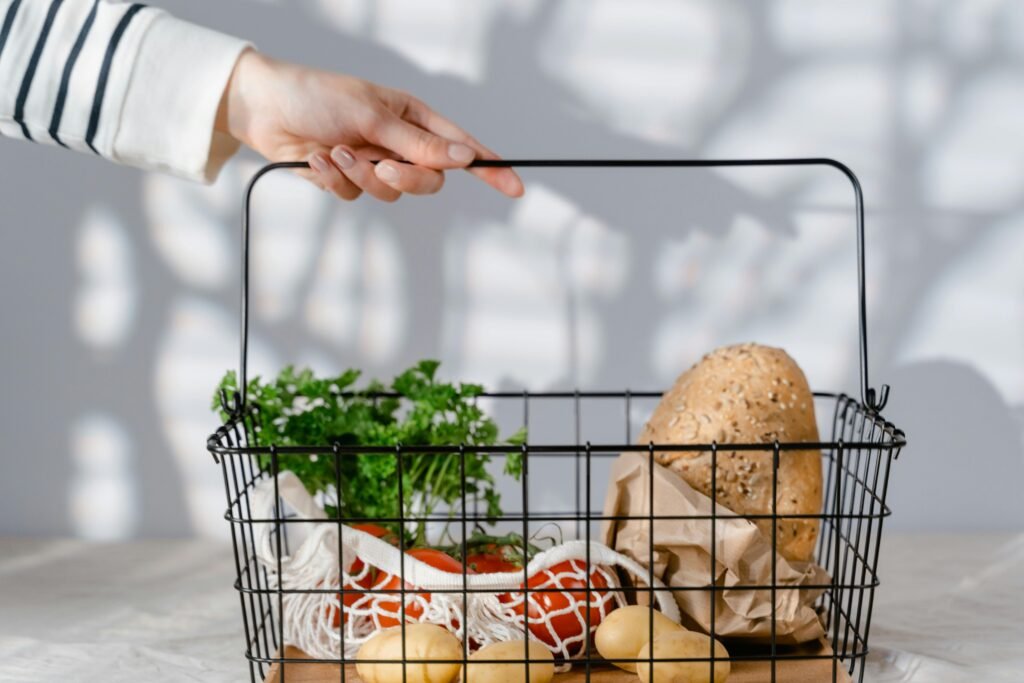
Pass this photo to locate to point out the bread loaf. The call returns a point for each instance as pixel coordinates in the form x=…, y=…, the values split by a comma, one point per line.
x=746, y=393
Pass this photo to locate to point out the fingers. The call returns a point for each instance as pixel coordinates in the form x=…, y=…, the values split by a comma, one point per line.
x=417, y=145
x=360, y=171
x=409, y=178
x=330, y=178
x=347, y=174
x=504, y=180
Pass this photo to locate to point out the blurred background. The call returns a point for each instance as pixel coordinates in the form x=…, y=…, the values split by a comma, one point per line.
x=118, y=289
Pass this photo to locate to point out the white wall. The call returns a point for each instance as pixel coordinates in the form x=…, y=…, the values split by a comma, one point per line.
x=118, y=289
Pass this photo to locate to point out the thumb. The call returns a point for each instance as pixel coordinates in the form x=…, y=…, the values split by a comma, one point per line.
x=419, y=146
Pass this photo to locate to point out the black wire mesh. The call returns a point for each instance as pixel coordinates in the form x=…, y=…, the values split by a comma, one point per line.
x=856, y=461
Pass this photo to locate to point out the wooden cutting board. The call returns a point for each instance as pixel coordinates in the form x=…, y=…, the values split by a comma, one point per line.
x=786, y=671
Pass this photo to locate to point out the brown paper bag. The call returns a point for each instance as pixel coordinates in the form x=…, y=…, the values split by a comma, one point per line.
x=682, y=557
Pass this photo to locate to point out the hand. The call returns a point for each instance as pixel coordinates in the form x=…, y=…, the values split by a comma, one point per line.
x=340, y=124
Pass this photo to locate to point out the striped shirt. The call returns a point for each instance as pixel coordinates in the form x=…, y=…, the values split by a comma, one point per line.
x=124, y=81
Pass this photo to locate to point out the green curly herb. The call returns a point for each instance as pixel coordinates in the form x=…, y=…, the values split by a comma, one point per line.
x=298, y=408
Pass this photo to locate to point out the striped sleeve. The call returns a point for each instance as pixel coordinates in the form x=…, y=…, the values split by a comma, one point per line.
x=127, y=82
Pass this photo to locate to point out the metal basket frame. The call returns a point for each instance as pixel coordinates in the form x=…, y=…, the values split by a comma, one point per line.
x=856, y=460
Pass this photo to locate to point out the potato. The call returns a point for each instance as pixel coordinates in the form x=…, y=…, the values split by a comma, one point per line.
x=627, y=629
x=515, y=670
x=682, y=644
x=422, y=642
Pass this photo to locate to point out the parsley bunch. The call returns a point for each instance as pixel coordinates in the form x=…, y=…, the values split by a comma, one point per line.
x=298, y=408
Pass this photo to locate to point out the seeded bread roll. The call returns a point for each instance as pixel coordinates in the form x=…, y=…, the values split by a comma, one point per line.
x=746, y=393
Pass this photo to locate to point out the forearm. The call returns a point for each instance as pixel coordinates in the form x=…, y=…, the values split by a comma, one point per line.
x=62, y=67
x=126, y=82
x=135, y=85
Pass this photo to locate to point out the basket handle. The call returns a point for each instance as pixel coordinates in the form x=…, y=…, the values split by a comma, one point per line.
x=870, y=398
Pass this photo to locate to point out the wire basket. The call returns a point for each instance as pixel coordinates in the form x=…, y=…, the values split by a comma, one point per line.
x=856, y=461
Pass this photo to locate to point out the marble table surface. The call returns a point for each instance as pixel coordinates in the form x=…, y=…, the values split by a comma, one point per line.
x=950, y=609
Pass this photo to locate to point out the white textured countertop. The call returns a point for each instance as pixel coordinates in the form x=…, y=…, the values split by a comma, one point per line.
x=950, y=609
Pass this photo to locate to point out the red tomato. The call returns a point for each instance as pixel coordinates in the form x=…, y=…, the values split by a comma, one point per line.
x=565, y=613
x=349, y=599
x=373, y=530
x=391, y=603
x=491, y=562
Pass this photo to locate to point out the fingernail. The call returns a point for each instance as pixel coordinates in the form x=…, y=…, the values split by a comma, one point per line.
x=387, y=172
x=343, y=158
x=460, y=153
x=319, y=163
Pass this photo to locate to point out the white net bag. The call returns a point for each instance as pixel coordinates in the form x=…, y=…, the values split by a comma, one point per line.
x=502, y=611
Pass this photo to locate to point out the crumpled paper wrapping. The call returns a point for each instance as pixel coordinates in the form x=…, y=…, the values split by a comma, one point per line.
x=682, y=557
